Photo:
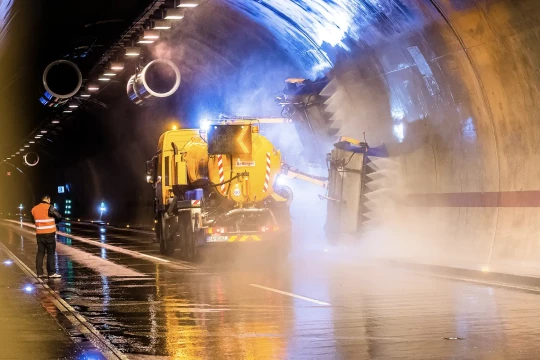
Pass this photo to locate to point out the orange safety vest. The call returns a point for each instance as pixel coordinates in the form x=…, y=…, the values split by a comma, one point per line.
x=44, y=223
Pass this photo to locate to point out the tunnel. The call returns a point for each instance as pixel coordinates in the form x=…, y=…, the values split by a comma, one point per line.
x=449, y=89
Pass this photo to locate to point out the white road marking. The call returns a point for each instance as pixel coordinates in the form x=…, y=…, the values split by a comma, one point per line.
x=111, y=247
x=102, y=266
x=177, y=264
x=318, y=302
x=86, y=222
x=480, y=282
x=79, y=321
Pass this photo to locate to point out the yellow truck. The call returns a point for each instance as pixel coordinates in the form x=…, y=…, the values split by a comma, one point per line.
x=216, y=185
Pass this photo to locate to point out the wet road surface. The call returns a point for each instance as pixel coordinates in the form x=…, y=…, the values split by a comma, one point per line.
x=248, y=307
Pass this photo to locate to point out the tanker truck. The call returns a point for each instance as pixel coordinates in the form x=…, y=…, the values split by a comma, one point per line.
x=216, y=185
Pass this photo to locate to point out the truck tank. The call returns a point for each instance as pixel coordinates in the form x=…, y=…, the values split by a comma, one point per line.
x=252, y=175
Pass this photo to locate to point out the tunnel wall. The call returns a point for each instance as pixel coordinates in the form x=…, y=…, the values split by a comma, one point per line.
x=456, y=101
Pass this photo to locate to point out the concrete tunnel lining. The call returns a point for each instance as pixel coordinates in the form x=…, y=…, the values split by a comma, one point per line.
x=469, y=129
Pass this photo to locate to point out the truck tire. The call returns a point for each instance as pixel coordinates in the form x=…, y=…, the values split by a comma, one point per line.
x=166, y=238
x=189, y=250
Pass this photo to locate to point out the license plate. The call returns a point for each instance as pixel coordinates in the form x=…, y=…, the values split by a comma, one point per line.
x=245, y=163
x=216, y=238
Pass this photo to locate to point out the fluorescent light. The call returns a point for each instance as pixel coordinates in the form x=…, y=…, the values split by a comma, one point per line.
x=85, y=94
x=73, y=106
x=174, y=14
x=117, y=66
x=103, y=78
x=26, y=145
x=67, y=111
x=21, y=149
x=32, y=142
x=161, y=25
x=150, y=35
x=17, y=153
x=188, y=4
x=109, y=73
x=8, y=158
x=92, y=88
x=133, y=51
x=54, y=122
x=43, y=131
x=145, y=41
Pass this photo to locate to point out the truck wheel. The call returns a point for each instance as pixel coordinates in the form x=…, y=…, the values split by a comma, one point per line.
x=189, y=250
x=166, y=238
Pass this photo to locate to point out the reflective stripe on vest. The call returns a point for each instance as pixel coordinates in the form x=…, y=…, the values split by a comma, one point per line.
x=41, y=227
x=44, y=223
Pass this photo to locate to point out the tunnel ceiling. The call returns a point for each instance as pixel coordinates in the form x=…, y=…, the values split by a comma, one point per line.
x=307, y=37
x=295, y=38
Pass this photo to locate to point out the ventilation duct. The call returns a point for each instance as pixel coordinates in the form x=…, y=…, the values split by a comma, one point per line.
x=61, y=79
x=159, y=79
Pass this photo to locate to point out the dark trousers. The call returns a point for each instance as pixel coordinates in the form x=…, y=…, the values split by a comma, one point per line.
x=46, y=244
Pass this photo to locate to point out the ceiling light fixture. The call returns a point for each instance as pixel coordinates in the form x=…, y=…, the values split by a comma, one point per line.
x=67, y=111
x=161, y=25
x=103, y=78
x=92, y=88
x=188, y=4
x=26, y=146
x=43, y=131
x=55, y=122
x=85, y=94
x=150, y=35
x=174, y=14
x=133, y=51
x=73, y=106
x=32, y=142
x=109, y=73
x=117, y=66
x=145, y=41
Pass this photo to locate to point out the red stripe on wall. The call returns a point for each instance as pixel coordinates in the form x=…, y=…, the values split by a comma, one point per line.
x=476, y=199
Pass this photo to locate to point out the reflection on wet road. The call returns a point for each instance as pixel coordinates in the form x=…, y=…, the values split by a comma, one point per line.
x=249, y=308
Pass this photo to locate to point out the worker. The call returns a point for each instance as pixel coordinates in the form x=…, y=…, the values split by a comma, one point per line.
x=45, y=218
